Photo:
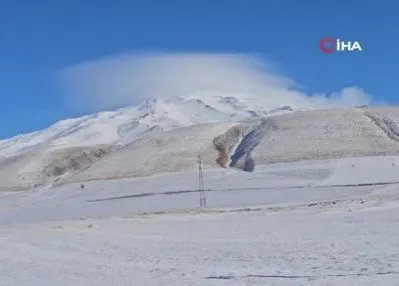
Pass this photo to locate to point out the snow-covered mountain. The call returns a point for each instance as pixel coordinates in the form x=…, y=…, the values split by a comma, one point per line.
x=123, y=126
x=298, y=136
x=166, y=135
x=74, y=144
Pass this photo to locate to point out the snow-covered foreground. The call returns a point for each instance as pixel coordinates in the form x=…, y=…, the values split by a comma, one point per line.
x=284, y=224
x=301, y=247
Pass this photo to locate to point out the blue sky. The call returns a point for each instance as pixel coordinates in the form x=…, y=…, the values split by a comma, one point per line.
x=39, y=38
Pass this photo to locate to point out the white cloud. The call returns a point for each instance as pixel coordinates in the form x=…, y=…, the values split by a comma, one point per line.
x=130, y=78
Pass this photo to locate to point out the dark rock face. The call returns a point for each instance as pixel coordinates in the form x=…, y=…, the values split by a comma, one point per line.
x=242, y=158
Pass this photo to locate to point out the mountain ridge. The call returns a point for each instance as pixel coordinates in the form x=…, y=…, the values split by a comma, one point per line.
x=72, y=145
x=166, y=134
x=127, y=124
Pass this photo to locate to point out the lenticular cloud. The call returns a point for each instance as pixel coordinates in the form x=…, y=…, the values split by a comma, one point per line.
x=131, y=78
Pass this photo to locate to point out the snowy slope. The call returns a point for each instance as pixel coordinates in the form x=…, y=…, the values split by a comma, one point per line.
x=286, y=183
x=305, y=135
x=127, y=124
x=74, y=144
x=167, y=135
x=275, y=226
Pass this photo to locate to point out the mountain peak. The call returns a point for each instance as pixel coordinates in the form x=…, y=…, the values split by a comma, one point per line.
x=127, y=124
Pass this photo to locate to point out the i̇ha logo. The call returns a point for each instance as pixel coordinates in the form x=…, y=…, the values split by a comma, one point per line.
x=328, y=45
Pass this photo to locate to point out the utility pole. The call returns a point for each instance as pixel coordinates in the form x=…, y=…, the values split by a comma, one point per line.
x=201, y=183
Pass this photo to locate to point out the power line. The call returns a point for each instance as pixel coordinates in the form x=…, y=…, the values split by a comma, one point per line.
x=201, y=183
